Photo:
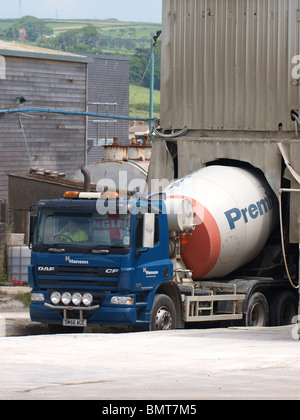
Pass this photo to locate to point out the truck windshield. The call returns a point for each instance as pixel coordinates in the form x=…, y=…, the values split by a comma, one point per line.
x=81, y=231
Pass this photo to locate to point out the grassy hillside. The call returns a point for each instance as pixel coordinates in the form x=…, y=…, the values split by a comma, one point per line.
x=113, y=37
x=139, y=102
x=138, y=34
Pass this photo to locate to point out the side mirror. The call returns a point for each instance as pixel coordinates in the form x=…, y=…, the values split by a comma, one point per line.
x=148, y=230
x=32, y=224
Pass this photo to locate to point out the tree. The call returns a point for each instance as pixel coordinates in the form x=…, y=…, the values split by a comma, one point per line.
x=10, y=33
x=34, y=27
x=138, y=66
x=80, y=40
x=32, y=33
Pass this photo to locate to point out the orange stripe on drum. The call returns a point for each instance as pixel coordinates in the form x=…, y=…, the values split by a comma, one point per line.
x=202, y=251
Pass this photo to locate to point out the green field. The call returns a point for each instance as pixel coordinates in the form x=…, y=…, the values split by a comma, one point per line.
x=113, y=26
x=140, y=33
x=139, y=99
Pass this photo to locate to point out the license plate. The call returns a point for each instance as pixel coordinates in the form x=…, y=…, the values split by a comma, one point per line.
x=74, y=323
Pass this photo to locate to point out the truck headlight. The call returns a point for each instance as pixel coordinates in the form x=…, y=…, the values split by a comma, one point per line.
x=76, y=299
x=37, y=297
x=121, y=300
x=55, y=298
x=66, y=298
x=87, y=299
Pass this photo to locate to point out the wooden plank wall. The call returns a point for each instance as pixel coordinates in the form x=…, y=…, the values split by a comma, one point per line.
x=54, y=142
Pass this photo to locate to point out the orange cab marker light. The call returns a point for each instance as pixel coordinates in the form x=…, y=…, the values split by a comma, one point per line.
x=110, y=194
x=71, y=194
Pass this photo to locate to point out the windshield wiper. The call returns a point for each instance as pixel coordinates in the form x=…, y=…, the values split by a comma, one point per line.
x=98, y=250
x=57, y=250
x=103, y=249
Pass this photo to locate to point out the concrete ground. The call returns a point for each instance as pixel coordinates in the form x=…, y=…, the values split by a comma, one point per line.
x=172, y=365
x=235, y=363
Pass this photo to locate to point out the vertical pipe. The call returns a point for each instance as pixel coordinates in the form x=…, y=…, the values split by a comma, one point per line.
x=151, y=85
x=87, y=179
x=86, y=118
x=106, y=126
x=98, y=112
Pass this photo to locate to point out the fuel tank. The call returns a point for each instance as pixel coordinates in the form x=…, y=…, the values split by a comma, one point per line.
x=235, y=211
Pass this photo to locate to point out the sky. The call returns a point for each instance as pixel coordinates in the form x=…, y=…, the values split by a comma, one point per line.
x=127, y=10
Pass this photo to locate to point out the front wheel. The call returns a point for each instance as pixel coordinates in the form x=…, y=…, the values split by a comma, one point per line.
x=163, y=314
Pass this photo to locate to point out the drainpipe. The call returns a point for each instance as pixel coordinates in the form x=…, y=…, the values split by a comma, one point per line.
x=153, y=46
x=151, y=85
x=86, y=118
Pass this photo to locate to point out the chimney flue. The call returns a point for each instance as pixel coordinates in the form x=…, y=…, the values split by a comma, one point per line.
x=87, y=179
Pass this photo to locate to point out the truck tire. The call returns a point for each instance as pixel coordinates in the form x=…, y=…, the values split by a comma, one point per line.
x=283, y=309
x=257, y=314
x=163, y=314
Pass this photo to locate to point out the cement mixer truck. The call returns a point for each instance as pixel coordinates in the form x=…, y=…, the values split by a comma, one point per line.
x=194, y=252
x=219, y=240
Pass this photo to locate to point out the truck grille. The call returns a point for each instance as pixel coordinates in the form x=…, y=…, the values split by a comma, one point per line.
x=78, y=276
x=78, y=271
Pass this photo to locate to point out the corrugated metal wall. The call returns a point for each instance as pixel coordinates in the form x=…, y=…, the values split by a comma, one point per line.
x=108, y=82
x=54, y=142
x=226, y=64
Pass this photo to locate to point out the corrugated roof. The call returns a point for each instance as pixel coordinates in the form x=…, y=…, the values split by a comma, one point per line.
x=21, y=50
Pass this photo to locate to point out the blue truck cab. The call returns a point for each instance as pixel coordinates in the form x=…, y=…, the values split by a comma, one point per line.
x=101, y=260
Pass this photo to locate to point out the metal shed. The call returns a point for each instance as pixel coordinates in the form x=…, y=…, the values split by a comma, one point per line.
x=227, y=64
x=41, y=79
x=108, y=93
